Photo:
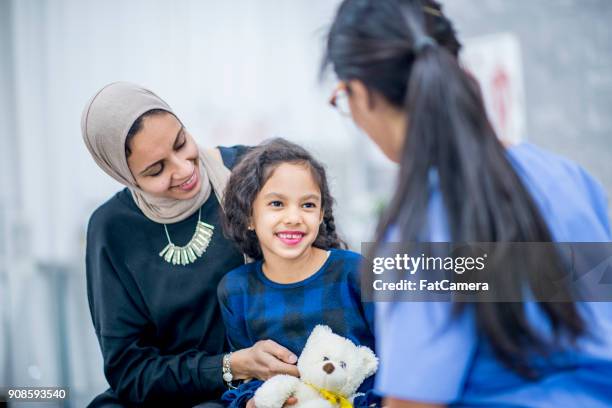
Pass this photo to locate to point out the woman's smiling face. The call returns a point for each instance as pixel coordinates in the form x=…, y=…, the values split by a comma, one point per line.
x=164, y=158
x=287, y=212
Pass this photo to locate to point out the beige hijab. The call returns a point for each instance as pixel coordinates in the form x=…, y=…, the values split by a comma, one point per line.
x=105, y=122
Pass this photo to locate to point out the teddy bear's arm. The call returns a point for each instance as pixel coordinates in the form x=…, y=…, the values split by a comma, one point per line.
x=275, y=391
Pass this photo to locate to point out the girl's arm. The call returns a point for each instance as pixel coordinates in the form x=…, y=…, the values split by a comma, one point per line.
x=261, y=359
x=231, y=304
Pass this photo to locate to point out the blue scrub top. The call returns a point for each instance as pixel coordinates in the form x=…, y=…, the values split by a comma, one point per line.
x=424, y=358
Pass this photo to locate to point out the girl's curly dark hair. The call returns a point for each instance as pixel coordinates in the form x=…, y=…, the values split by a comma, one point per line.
x=249, y=177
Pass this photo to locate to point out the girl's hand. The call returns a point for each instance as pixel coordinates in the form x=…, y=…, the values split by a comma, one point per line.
x=264, y=360
x=290, y=401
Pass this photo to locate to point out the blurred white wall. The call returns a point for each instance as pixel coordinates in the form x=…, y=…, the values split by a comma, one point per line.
x=235, y=71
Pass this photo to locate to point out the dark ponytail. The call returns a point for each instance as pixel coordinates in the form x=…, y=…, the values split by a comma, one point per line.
x=448, y=132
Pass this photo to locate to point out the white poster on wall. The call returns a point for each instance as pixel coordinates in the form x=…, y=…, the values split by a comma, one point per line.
x=495, y=60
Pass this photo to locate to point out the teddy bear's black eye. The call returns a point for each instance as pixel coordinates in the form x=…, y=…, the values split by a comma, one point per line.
x=342, y=364
x=325, y=359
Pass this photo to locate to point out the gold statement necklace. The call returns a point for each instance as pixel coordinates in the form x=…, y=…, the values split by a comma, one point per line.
x=189, y=253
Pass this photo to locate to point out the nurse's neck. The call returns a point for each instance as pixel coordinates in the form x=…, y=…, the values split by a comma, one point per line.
x=395, y=125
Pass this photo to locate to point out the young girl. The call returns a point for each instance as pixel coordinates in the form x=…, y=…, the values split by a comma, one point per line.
x=278, y=209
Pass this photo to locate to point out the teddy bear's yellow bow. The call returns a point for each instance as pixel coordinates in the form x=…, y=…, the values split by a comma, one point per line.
x=334, y=398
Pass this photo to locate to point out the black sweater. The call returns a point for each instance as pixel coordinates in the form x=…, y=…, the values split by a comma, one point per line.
x=159, y=325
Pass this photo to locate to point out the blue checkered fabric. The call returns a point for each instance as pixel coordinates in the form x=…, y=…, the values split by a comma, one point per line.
x=255, y=308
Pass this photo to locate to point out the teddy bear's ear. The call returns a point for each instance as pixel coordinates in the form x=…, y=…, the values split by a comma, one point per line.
x=369, y=360
x=316, y=337
x=320, y=329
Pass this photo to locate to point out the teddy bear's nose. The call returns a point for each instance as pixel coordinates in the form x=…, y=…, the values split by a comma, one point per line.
x=329, y=368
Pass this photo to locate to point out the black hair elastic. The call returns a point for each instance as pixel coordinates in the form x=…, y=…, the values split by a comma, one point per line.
x=423, y=42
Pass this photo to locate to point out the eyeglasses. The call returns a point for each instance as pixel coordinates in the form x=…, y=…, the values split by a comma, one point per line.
x=339, y=99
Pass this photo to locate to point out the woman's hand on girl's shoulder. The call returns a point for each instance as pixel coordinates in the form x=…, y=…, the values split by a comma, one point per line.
x=263, y=360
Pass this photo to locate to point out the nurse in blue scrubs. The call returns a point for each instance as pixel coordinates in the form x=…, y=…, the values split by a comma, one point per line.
x=396, y=61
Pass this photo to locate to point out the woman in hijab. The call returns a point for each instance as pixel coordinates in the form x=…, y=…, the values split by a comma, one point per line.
x=155, y=255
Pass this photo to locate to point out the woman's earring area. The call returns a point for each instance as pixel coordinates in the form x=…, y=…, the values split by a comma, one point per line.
x=339, y=99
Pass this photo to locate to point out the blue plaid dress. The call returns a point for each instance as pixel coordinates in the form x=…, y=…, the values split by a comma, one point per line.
x=255, y=308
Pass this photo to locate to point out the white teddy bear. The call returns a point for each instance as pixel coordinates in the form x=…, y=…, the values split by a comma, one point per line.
x=331, y=368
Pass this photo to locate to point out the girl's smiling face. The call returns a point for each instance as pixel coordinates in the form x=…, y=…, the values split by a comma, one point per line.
x=164, y=158
x=287, y=212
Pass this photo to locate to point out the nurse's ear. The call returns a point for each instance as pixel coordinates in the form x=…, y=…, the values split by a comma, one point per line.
x=363, y=100
x=368, y=107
